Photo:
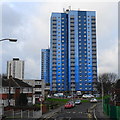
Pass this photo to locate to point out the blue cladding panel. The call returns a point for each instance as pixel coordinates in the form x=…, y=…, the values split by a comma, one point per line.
x=45, y=61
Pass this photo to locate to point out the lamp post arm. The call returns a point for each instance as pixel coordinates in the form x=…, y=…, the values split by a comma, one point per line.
x=11, y=40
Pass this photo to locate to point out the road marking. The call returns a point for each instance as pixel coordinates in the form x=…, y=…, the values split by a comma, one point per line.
x=89, y=115
x=67, y=112
x=94, y=115
x=74, y=112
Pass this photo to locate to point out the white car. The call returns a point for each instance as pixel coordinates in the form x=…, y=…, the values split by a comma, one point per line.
x=87, y=96
x=93, y=100
x=77, y=102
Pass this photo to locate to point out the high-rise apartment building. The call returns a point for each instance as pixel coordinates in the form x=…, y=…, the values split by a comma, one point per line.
x=45, y=64
x=82, y=59
x=59, y=52
x=73, y=59
x=15, y=68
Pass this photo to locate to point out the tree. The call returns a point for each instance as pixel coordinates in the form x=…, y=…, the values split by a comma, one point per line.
x=107, y=80
x=117, y=85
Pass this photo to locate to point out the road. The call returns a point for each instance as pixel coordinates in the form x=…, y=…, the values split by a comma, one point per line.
x=78, y=112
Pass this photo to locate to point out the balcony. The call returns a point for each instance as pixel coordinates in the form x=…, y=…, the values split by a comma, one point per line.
x=38, y=89
x=54, y=37
x=93, y=29
x=93, y=40
x=72, y=21
x=71, y=28
x=72, y=85
x=94, y=60
x=53, y=68
x=94, y=64
x=72, y=77
x=72, y=68
x=54, y=65
x=54, y=22
x=54, y=89
x=72, y=52
x=53, y=81
x=94, y=68
x=94, y=48
x=54, y=85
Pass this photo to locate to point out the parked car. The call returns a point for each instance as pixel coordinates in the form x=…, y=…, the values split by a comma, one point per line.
x=69, y=96
x=49, y=96
x=87, y=96
x=69, y=105
x=93, y=100
x=72, y=102
x=77, y=102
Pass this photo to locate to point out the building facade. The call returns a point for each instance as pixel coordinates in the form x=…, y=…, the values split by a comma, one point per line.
x=15, y=68
x=73, y=58
x=45, y=63
x=58, y=52
x=82, y=59
x=40, y=89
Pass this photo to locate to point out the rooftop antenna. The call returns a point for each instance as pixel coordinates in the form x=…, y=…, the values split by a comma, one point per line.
x=69, y=7
x=63, y=9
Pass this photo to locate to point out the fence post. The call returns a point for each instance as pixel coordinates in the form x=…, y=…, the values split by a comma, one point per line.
x=28, y=114
x=21, y=113
x=13, y=114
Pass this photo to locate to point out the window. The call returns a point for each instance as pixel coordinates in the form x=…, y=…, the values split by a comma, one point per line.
x=79, y=16
x=62, y=29
x=62, y=18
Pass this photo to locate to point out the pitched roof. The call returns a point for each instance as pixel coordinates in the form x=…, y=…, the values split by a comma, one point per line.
x=14, y=83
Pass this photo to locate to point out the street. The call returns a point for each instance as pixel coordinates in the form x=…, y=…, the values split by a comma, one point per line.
x=78, y=112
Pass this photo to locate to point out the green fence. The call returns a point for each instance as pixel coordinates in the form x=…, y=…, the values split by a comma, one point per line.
x=111, y=110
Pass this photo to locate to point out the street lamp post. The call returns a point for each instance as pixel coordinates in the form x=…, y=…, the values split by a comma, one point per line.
x=10, y=77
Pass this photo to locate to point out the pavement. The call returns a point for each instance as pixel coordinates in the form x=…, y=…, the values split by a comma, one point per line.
x=98, y=113
x=51, y=113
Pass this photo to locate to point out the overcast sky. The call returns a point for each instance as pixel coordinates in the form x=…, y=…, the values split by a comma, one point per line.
x=29, y=22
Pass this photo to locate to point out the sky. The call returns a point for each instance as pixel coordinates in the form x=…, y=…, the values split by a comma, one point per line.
x=29, y=22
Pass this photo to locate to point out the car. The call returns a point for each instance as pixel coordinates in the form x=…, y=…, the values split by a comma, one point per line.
x=87, y=96
x=69, y=105
x=77, y=102
x=69, y=96
x=49, y=96
x=93, y=100
x=72, y=102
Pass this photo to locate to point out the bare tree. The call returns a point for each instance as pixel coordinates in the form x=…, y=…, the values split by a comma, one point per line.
x=107, y=80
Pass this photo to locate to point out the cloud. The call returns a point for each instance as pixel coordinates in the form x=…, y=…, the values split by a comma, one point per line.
x=30, y=23
x=108, y=60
